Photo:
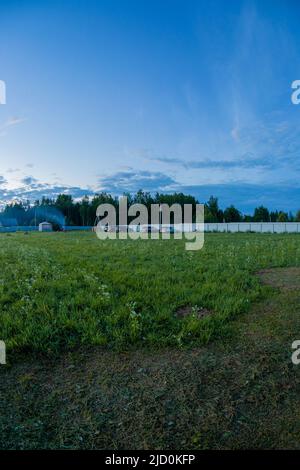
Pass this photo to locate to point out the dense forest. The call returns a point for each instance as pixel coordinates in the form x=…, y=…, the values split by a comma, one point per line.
x=64, y=210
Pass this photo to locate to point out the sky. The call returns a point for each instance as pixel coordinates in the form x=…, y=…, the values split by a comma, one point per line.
x=159, y=95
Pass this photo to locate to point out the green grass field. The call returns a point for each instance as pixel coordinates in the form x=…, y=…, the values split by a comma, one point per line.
x=59, y=291
x=141, y=344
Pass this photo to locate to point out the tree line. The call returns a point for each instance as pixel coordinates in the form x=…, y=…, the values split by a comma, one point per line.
x=65, y=210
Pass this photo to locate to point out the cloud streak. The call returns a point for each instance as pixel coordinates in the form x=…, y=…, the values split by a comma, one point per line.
x=246, y=162
x=11, y=122
x=132, y=180
x=31, y=189
x=245, y=196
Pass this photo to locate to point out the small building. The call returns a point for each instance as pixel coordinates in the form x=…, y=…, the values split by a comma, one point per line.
x=45, y=227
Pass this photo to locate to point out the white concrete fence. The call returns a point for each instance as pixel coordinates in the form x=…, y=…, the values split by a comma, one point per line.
x=258, y=227
x=232, y=227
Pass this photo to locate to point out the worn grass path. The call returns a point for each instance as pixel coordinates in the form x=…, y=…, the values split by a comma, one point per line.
x=241, y=391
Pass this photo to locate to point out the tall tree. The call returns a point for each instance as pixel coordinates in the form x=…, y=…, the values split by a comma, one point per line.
x=261, y=214
x=231, y=214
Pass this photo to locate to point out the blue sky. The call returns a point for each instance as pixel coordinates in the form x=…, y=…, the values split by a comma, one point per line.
x=192, y=96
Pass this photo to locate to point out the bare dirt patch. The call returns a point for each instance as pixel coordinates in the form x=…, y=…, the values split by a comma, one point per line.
x=282, y=278
x=183, y=312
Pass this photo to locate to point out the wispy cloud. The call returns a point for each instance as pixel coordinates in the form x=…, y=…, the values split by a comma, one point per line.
x=132, y=180
x=247, y=161
x=13, y=170
x=31, y=189
x=9, y=123
x=29, y=180
x=13, y=121
x=243, y=195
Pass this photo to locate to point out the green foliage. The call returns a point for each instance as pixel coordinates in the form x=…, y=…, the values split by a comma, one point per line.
x=231, y=214
x=65, y=211
x=261, y=214
x=282, y=217
x=212, y=212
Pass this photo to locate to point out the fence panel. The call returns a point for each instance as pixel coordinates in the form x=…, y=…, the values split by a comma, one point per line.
x=257, y=227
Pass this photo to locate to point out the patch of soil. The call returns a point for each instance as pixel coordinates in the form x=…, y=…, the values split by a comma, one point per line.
x=282, y=278
x=188, y=310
